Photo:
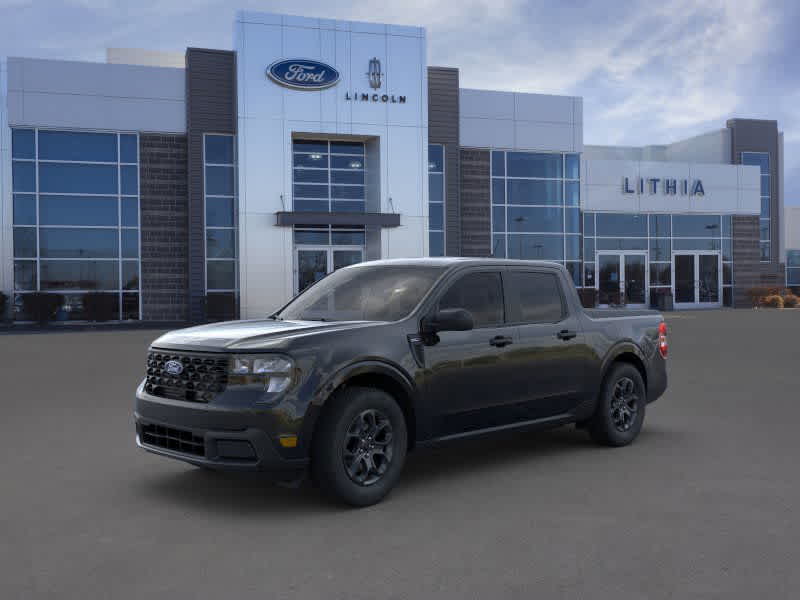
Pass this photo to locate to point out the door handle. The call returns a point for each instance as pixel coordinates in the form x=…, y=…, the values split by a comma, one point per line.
x=500, y=341
x=566, y=334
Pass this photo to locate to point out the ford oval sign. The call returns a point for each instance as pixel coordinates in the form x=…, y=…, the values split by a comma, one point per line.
x=173, y=367
x=303, y=74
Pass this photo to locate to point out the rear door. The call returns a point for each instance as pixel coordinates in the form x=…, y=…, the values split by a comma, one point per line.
x=466, y=370
x=551, y=356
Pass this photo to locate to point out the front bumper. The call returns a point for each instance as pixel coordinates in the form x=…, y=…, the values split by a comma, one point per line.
x=215, y=437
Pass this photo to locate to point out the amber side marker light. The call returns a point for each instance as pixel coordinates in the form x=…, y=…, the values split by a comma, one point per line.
x=288, y=441
x=663, y=347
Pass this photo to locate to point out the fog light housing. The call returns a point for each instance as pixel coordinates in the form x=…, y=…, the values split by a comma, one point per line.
x=270, y=373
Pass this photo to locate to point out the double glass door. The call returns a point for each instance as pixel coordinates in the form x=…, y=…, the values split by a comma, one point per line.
x=622, y=279
x=697, y=279
x=312, y=264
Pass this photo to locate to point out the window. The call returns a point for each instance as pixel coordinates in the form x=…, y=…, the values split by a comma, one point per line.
x=328, y=176
x=536, y=207
x=537, y=297
x=793, y=268
x=219, y=156
x=76, y=218
x=436, y=199
x=762, y=160
x=479, y=293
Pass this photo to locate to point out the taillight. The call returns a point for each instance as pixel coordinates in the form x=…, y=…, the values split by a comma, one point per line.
x=662, y=339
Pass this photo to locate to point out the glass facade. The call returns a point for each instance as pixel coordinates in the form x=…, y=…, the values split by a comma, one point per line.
x=761, y=160
x=219, y=158
x=76, y=220
x=793, y=268
x=435, y=200
x=328, y=176
x=536, y=207
x=659, y=235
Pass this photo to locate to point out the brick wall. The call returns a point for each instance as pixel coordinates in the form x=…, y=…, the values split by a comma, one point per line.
x=165, y=231
x=476, y=215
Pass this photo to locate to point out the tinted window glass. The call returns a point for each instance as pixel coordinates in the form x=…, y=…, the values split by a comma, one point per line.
x=219, y=181
x=310, y=146
x=572, y=190
x=498, y=218
x=499, y=246
x=696, y=225
x=588, y=224
x=357, y=177
x=219, y=149
x=621, y=225
x=726, y=225
x=435, y=158
x=347, y=148
x=531, y=191
x=436, y=213
x=498, y=164
x=436, y=187
x=436, y=243
x=310, y=191
x=221, y=274
x=342, y=162
x=572, y=243
x=311, y=175
x=498, y=191
x=347, y=206
x=130, y=212
x=22, y=143
x=573, y=162
x=348, y=238
x=130, y=306
x=479, y=293
x=311, y=237
x=529, y=164
x=73, y=145
x=25, y=242
x=24, y=275
x=128, y=152
x=536, y=247
x=660, y=249
x=660, y=226
x=220, y=243
x=219, y=212
x=536, y=219
x=23, y=176
x=77, y=210
x=24, y=209
x=78, y=243
x=621, y=244
x=347, y=192
x=537, y=297
x=130, y=243
x=77, y=179
x=572, y=220
x=80, y=275
x=130, y=275
x=130, y=180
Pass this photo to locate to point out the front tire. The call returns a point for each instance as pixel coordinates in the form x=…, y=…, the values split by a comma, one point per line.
x=359, y=448
x=620, y=409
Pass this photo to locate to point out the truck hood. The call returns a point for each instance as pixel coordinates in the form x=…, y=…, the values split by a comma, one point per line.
x=251, y=335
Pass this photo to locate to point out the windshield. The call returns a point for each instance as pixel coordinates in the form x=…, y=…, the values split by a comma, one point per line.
x=363, y=293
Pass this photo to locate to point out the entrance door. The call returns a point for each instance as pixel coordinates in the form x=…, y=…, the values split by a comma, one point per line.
x=312, y=264
x=622, y=279
x=697, y=279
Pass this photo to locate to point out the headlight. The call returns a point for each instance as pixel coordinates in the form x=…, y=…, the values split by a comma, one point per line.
x=268, y=372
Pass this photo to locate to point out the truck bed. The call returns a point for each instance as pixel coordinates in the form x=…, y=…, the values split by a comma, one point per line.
x=616, y=313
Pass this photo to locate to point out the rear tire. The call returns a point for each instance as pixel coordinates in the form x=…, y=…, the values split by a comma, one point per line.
x=620, y=409
x=359, y=447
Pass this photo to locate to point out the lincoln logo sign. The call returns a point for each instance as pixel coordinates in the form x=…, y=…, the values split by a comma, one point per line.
x=302, y=74
x=670, y=187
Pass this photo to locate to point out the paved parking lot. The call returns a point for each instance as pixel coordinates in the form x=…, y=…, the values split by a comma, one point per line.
x=704, y=505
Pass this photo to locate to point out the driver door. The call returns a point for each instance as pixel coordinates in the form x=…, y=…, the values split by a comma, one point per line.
x=465, y=370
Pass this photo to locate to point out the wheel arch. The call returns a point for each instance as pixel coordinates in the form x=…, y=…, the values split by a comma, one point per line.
x=375, y=374
x=625, y=352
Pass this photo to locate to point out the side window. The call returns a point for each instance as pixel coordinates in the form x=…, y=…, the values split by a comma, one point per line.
x=479, y=293
x=537, y=297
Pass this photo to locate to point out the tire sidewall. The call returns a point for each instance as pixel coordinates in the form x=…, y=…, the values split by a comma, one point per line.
x=327, y=464
x=614, y=436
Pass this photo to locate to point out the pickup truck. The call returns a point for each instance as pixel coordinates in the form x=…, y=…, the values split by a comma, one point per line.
x=381, y=358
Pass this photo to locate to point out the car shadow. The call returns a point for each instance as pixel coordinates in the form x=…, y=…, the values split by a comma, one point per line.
x=246, y=494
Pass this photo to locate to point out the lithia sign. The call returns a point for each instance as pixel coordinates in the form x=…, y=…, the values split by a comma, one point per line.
x=669, y=187
x=306, y=74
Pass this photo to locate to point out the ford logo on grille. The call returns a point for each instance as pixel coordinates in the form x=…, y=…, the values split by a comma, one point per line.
x=303, y=74
x=173, y=367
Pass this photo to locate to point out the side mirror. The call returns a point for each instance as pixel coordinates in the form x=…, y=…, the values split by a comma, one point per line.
x=449, y=319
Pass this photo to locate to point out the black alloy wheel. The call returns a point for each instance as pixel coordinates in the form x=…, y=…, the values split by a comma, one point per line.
x=368, y=450
x=624, y=404
x=619, y=414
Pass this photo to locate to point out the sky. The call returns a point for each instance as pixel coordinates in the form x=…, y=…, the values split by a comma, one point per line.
x=649, y=72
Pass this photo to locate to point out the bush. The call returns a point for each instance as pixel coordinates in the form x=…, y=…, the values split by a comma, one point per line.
x=773, y=301
x=41, y=306
x=98, y=306
x=790, y=301
x=3, y=306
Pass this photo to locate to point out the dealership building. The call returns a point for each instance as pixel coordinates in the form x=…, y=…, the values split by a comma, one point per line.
x=216, y=184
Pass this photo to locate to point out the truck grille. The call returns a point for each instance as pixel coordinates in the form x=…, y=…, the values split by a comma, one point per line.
x=199, y=379
x=177, y=440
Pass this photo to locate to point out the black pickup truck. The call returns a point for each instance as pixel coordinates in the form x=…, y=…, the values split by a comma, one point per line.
x=383, y=357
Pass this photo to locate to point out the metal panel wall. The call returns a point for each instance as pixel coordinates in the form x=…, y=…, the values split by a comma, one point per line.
x=443, y=128
x=476, y=215
x=210, y=108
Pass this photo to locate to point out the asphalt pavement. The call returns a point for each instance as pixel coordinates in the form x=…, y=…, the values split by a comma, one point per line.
x=703, y=505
